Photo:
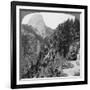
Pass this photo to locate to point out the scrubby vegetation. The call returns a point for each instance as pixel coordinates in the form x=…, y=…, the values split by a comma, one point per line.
x=49, y=57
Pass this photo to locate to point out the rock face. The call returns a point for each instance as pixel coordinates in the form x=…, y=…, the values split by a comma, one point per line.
x=38, y=23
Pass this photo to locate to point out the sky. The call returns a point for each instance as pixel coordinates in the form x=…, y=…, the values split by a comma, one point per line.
x=51, y=19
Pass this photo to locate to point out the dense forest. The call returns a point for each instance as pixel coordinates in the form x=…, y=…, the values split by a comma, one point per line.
x=50, y=56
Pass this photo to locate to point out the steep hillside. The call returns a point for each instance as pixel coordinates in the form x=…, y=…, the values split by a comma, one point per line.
x=50, y=53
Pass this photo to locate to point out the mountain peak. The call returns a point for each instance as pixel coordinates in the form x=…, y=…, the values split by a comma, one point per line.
x=37, y=22
x=36, y=19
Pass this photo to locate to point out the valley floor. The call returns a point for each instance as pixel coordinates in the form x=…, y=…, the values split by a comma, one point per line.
x=74, y=70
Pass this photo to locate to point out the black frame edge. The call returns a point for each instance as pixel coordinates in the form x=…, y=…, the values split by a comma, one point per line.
x=13, y=45
x=49, y=4
x=50, y=84
x=86, y=45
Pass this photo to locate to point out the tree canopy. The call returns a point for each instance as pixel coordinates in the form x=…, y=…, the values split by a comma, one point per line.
x=65, y=34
